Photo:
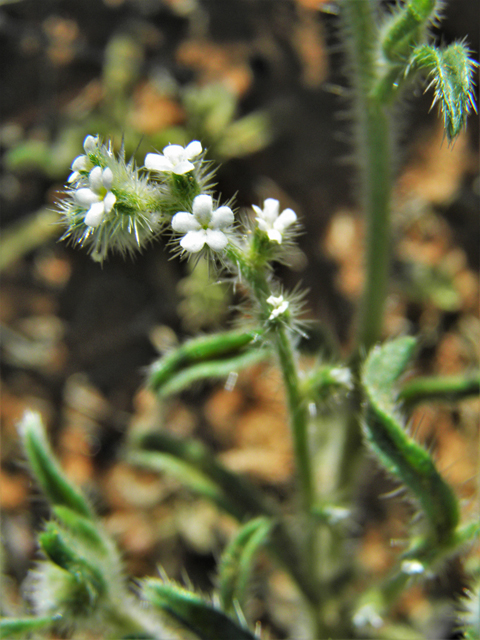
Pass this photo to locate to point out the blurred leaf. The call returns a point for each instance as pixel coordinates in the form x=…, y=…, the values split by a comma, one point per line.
x=236, y=564
x=193, y=612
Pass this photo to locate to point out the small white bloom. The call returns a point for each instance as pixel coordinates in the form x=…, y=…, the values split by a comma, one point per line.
x=204, y=225
x=367, y=616
x=343, y=376
x=175, y=158
x=412, y=567
x=271, y=222
x=83, y=163
x=279, y=306
x=98, y=196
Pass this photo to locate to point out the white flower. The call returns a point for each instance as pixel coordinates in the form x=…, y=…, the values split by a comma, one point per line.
x=175, y=158
x=279, y=306
x=204, y=226
x=412, y=567
x=83, y=163
x=271, y=222
x=343, y=376
x=98, y=197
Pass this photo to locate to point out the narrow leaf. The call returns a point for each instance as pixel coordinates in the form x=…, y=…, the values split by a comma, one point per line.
x=237, y=561
x=197, y=350
x=401, y=455
x=211, y=369
x=441, y=389
x=18, y=627
x=193, y=612
x=83, y=528
x=48, y=474
x=405, y=27
x=61, y=553
x=194, y=464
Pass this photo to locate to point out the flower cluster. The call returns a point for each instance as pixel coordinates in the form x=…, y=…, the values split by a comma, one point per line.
x=109, y=204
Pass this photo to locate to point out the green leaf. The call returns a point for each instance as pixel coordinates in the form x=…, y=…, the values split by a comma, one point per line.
x=199, y=350
x=440, y=389
x=212, y=370
x=399, y=453
x=236, y=564
x=194, y=465
x=208, y=622
x=48, y=474
x=450, y=71
x=61, y=553
x=405, y=27
x=83, y=528
x=13, y=627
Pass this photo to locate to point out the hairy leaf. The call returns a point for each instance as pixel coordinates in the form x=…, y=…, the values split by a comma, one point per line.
x=399, y=453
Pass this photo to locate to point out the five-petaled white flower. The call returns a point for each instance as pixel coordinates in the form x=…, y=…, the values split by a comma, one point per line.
x=279, y=306
x=83, y=163
x=175, y=158
x=271, y=222
x=204, y=225
x=98, y=197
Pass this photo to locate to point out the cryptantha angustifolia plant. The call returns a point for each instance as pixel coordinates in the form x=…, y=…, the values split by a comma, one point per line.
x=112, y=205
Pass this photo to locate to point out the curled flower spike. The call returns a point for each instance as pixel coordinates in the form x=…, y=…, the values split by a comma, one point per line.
x=279, y=306
x=83, y=163
x=204, y=226
x=271, y=222
x=98, y=196
x=175, y=158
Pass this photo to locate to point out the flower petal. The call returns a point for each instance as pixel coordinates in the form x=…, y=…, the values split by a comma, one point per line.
x=194, y=241
x=90, y=143
x=157, y=162
x=107, y=178
x=216, y=239
x=221, y=218
x=275, y=236
x=174, y=152
x=184, y=222
x=109, y=201
x=285, y=219
x=80, y=163
x=202, y=209
x=193, y=149
x=271, y=208
x=86, y=196
x=183, y=167
x=95, y=214
x=95, y=179
x=257, y=210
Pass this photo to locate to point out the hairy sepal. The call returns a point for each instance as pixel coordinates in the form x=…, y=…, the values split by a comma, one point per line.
x=450, y=71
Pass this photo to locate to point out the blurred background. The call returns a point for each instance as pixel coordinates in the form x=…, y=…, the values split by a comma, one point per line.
x=260, y=83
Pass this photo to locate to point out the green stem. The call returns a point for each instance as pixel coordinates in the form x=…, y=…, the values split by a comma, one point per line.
x=298, y=415
x=375, y=159
x=374, y=142
x=256, y=277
